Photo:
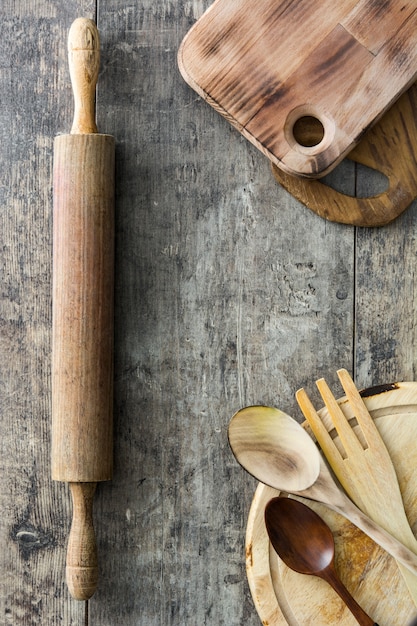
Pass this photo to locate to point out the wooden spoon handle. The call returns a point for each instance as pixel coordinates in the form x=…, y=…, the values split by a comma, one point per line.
x=84, y=63
x=326, y=491
x=357, y=611
x=82, y=562
x=386, y=541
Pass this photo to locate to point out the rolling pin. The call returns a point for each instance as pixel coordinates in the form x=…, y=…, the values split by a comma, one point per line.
x=82, y=308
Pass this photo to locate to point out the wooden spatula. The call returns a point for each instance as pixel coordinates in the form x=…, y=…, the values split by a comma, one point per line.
x=363, y=467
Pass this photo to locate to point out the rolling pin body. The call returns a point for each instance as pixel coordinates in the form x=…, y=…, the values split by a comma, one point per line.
x=83, y=261
x=82, y=311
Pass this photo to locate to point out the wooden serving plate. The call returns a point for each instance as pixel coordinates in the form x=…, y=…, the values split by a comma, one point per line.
x=283, y=597
x=266, y=65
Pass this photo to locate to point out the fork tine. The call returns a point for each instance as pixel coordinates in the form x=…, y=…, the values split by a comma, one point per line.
x=362, y=415
x=320, y=432
x=348, y=438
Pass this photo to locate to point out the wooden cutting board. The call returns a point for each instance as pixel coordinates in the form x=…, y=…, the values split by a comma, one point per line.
x=283, y=597
x=266, y=65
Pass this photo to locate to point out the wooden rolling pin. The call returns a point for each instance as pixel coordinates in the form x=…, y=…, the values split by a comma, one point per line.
x=82, y=327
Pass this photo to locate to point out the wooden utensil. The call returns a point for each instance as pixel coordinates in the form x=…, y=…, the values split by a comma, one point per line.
x=363, y=465
x=83, y=261
x=276, y=450
x=305, y=543
x=265, y=66
x=281, y=598
x=388, y=147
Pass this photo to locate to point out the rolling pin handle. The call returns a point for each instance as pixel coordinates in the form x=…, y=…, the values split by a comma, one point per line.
x=82, y=562
x=84, y=63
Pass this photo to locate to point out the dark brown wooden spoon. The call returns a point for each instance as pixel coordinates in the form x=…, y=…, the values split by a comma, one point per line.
x=305, y=544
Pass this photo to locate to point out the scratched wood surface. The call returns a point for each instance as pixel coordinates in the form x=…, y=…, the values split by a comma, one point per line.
x=228, y=292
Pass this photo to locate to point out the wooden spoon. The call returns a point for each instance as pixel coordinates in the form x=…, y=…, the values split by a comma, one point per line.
x=277, y=450
x=305, y=543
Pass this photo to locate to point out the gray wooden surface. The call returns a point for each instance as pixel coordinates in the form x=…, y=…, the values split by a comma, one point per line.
x=228, y=293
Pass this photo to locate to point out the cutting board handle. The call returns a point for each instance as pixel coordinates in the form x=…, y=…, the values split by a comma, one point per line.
x=84, y=63
x=336, y=206
x=390, y=148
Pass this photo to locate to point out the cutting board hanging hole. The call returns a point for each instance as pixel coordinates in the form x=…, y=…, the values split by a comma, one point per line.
x=308, y=131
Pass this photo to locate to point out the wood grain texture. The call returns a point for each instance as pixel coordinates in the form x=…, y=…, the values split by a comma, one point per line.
x=265, y=68
x=35, y=106
x=363, y=466
x=84, y=66
x=283, y=597
x=305, y=543
x=228, y=292
x=82, y=559
x=82, y=334
x=292, y=467
x=83, y=279
x=389, y=148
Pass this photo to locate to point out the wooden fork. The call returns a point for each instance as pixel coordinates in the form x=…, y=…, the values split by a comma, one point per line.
x=364, y=470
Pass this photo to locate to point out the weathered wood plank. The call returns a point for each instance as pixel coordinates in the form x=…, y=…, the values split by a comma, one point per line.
x=35, y=511
x=386, y=322
x=228, y=292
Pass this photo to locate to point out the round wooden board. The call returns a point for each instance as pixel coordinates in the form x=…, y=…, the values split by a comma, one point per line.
x=283, y=597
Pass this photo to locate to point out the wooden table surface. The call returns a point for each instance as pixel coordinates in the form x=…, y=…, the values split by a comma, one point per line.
x=228, y=293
